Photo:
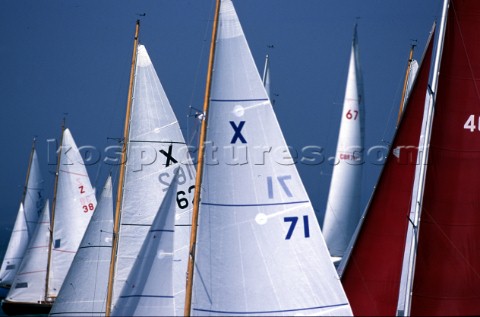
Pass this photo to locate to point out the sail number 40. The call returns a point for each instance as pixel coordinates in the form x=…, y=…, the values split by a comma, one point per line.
x=470, y=123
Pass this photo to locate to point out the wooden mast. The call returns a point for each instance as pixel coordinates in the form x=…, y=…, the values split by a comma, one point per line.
x=52, y=219
x=121, y=178
x=405, y=84
x=199, y=176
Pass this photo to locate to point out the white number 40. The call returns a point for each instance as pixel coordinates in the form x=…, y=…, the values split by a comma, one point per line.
x=470, y=123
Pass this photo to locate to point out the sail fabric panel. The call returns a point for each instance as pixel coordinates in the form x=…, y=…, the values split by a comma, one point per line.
x=149, y=289
x=29, y=284
x=372, y=275
x=74, y=206
x=447, y=273
x=85, y=287
x=155, y=145
x=34, y=195
x=15, y=249
x=25, y=223
x=343, y=205
x=259, y=248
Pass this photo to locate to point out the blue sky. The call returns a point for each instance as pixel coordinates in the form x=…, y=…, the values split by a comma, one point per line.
x=73, y=57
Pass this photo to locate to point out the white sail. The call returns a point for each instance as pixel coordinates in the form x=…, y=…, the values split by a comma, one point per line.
x=343, y=205
x=34, y=197
x=15, y=250
x=85, y=286
x=152, y=290
x=155, y=142
x=74, y=206
x=259, y=250
x=29, y=283
x=27, y=218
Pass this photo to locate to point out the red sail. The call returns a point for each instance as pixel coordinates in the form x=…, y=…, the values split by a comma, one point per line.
x=372, y=276
x=447, y=273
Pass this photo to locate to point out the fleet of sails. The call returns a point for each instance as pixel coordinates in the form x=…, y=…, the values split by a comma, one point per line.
x=232, y=238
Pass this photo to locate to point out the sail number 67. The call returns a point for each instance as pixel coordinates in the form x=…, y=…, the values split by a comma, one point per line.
x=352, y=114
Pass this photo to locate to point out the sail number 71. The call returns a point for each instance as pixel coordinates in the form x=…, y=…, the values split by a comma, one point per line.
x=293, y=223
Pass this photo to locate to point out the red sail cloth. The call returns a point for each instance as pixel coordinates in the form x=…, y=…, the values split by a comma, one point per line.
x=447, y=273
x=372, y=276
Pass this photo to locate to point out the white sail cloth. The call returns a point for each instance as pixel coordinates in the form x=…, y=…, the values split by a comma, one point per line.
x=84, y=289
x=343, y=205
x=24, y=227
x=259, y=248
x=155, y=143
x=74, y=206
x=29, y=284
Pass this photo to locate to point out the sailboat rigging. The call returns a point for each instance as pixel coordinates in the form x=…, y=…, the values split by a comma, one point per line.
x=371, y=271
x=73, y=204
x=154, y=151
x=435, y=268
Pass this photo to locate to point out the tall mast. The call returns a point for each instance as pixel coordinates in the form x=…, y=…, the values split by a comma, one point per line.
x=405, y=83
x=28, y=171
x=265, y=70
x=121, y=178
x=423, y=153
x=52, y=219
x=198, y=178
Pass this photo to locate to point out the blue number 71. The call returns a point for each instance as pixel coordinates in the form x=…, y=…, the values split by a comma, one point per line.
x=294, y=220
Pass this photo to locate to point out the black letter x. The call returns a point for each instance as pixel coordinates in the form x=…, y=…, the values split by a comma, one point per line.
x=169, y=156
x=238, y=134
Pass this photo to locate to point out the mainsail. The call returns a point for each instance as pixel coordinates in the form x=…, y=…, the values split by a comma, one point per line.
x=29, y=283
x=72, y=209
x=27, y=217
x=85, y=286
x=447, y=272
x=343, y=205
x=153, y=143
x=259, y=248
x=372, y=274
